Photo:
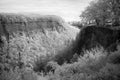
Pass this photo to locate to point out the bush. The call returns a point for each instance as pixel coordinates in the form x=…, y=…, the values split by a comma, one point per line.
x=20, y=74
x=10, y=75
x=84, y=69
x=95, y=64
x=114, y=57
x=109, y=72
x=29, y=75
x=41, y=63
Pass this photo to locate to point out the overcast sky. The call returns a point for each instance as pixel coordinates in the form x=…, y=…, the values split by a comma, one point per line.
x=67, y=9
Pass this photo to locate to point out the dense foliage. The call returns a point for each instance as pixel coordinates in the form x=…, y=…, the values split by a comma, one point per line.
x=51, y=55
x=95, y=64
x=102, y=12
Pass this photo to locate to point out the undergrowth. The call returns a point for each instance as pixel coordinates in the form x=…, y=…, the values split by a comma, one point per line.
x=94, y=64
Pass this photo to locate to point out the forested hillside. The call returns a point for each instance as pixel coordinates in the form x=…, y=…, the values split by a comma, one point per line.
x=26, y=38
x=45, y=47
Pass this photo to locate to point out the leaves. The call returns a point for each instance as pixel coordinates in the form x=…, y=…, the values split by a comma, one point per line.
x=101, y=12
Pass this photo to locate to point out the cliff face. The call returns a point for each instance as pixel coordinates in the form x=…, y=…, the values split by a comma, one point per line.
x=11, y=23
x=31, y=36
x=92, y=36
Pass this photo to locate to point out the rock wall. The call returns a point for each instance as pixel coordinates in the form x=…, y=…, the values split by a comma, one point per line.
x=11, y=23
x=92, y=36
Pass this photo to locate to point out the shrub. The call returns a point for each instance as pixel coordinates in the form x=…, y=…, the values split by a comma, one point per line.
x=93, y=55
x=109, y=72
x=114, y=57
x=41, y=62
x=11, y=75
x=95, y=64
x=29, y=75
x=85, y=68
x=51, y=66
x=19, y=74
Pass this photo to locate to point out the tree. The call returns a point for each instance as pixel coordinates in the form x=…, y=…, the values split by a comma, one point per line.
x=102, y=11
x=114, y=7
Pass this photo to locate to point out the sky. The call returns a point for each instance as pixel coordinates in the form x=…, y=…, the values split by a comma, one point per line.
x=69, y=10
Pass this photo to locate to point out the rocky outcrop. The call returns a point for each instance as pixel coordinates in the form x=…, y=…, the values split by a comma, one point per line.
x=12, y=23
x=92, y=36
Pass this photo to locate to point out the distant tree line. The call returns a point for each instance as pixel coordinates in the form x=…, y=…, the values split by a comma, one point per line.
x=102, y=13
